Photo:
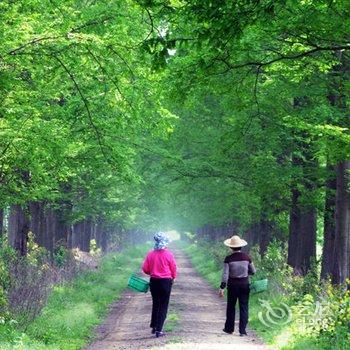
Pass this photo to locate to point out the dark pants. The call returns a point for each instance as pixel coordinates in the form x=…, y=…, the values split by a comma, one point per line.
x=234, y=292
x=160, y=290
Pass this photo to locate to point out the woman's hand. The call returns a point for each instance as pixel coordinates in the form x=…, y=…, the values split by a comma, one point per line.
x=221, y=293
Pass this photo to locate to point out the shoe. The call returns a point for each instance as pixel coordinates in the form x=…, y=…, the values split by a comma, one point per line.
x=153, y=331
x=243, y=334
x=227, y=331
x=159, y=334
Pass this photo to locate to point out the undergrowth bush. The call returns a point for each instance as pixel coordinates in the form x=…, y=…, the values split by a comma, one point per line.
x=333, y=323
x=7, y=256
x=74, y=308
x=61, y=256
x=26, y=282
x=320, y=312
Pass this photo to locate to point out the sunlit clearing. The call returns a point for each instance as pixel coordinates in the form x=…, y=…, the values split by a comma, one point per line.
x=173, y=235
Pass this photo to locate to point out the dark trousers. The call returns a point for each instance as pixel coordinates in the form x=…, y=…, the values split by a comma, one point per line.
x=234, y=292
x=160, y=290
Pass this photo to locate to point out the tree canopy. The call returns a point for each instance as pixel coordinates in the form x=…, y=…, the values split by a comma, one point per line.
x=180, y=114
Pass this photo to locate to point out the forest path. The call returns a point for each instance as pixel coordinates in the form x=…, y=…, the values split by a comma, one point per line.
x=194, y=302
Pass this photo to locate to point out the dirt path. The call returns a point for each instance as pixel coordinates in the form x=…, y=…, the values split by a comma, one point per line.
x=201, y=316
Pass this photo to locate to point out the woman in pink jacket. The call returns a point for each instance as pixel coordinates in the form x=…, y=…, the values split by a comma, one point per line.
x=161, y=266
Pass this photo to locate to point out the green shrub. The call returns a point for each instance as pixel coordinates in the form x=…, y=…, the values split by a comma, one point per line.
x=94, y=249
x=36, y=254
x=320, y=312
x=333, y=321
x=273, y=264
x=74, y=308
x=60, y=256
x=7, y=255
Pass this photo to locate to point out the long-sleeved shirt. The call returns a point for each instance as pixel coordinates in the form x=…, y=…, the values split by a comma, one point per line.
x=237, y=267
x=160, y=264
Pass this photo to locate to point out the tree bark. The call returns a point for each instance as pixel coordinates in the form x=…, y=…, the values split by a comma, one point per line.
x=294, y=229
x=302, y=236
x=82, y=235
x=70, y=237
x=303, y=216
x=37, y=222
x=266, y=228
x=50, y=229
x=62, y=231
x=78, y=228
x=101, y=235
x=1, y=222
x=86, y=235
x=329, y=225
x=18, y=228
x=341, y=266
x=307, y=241
x=252, y=235
x=43, y=224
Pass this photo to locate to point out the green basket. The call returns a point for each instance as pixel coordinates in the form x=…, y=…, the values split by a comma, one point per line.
x=138, y=284
x=259, y=286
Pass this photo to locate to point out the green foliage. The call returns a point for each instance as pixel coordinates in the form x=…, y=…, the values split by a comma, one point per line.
x=100, y=119
x=319, y=320
x=75, y=308
x=36, y=255
x=73, y=113
x=334, y=323
x=94, y=249
x=311, y=283
x=247, y=99
x=272, y=264
x=60, y=256
x=7, y=255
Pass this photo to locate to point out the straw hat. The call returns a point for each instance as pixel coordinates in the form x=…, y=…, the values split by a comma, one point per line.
x=235, y=242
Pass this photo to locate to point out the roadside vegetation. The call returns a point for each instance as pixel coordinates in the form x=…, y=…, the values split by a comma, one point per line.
x=122, y=118
x=73, y=308
x=295, y=312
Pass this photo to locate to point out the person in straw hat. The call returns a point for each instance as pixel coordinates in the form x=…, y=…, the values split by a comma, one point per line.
x=237, y=267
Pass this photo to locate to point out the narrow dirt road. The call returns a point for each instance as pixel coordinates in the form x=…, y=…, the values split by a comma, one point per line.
x=200, y=313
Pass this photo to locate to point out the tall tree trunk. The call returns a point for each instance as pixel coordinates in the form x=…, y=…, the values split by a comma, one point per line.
x=303, y=214
x=18, y=228
x=62, y=231
x=1, y=222
x=294, y=228
x=307, y=240
x=78, y=229
x=70, y=237
x=82, y=235
x=252, y=235
x=86, y=235
x=101, y=235
x=266, y=228
x=302, y=236
x=329, y=225
x=341, y=266
x=37, y=222
x=50, y=229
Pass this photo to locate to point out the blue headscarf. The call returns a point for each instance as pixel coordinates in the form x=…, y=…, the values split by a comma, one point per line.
x=161, y=241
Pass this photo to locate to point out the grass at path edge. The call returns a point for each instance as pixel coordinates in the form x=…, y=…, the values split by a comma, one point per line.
x=280, y=336
x=74, y=309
